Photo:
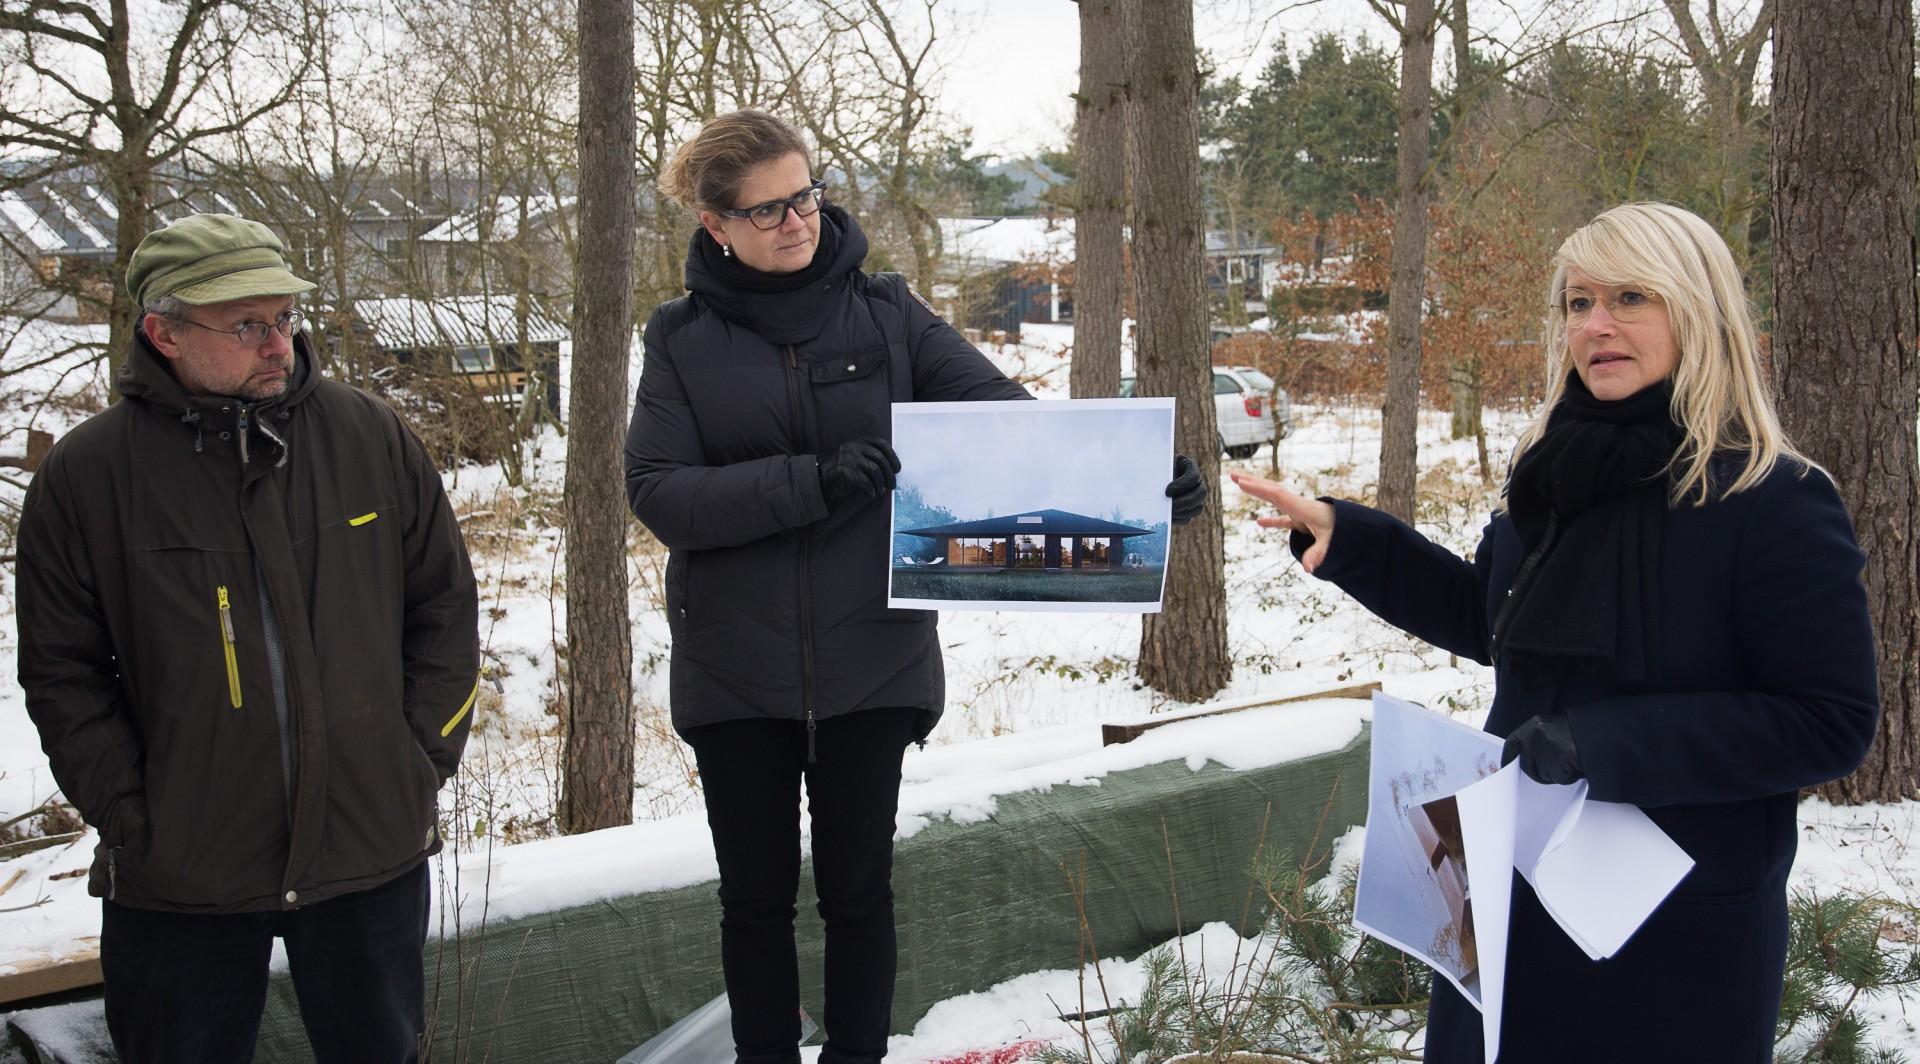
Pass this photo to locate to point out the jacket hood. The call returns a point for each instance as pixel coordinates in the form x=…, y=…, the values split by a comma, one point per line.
x=782, y=308
x=145, y=376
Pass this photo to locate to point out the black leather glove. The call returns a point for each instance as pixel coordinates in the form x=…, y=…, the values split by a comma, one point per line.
x=858, y=469
x=1546, y=751
x=1188, y=494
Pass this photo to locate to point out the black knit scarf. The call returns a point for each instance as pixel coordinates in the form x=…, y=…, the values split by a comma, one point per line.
x=1589, y=501
x=782, y=308
x=744, y=278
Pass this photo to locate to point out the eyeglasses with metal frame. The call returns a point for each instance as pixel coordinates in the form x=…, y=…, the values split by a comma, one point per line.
x=1623, y=303
x=771, y=214
x=255, y=332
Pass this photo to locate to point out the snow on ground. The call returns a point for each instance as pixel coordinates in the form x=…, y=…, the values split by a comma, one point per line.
x=1874, y=850
x=1049, y=678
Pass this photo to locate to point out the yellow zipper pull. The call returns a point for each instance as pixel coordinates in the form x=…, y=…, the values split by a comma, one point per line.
x=226, y=646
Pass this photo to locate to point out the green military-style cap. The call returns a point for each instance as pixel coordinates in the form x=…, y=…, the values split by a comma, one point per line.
x=211, y=258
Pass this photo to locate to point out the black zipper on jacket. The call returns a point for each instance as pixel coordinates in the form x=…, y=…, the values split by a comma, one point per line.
x=240, y=430
x=1522, y=582
x=277, y=674
x=805, y=581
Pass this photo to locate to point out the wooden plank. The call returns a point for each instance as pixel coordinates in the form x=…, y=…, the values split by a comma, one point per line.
x=1111, y=734
x=51, y=976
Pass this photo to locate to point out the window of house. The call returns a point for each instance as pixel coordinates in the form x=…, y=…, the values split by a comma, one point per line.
x=975, y=551
x=1098, y=551
x=1031, y=552
x=473, y=359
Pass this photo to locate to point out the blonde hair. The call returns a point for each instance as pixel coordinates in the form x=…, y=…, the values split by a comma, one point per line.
x=1721, y=399
x=706, y=172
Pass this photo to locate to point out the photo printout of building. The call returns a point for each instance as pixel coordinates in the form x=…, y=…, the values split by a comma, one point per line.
x=1057, y=505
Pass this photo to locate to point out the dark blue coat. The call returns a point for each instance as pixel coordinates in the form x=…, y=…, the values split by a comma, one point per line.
x=778, y=602
x=1761, y=682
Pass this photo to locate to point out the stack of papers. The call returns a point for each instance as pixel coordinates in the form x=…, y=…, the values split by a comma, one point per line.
x=1446, y=827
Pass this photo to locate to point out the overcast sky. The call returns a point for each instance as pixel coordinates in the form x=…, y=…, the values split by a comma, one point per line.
x=1016, y=63
x=1038, y=456
x=1013, y=65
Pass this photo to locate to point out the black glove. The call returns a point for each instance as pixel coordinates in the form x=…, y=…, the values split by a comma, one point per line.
x=1188, y=494
x=1545, y=748
x=858, y=469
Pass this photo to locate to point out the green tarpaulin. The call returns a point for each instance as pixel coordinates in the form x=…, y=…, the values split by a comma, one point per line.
x=977, y=904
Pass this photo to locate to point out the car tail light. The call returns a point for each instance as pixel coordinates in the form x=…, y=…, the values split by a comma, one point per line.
x=1253, y=405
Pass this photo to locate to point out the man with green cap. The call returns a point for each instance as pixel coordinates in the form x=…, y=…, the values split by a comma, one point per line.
x=248, y=638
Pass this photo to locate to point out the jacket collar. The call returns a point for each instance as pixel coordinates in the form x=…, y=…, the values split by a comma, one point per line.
x=145, y=378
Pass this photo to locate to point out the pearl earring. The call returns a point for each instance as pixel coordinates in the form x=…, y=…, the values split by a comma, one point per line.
x=727, y=250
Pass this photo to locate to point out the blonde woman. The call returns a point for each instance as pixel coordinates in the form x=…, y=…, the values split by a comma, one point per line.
x=1670, y=596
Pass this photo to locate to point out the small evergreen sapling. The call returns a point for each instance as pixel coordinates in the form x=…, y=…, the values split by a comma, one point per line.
x=1310, y=988
x=1840, y=949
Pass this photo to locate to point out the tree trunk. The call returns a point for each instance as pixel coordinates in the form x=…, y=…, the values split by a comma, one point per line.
x=1726, y=59
x=1463, y=383
x=133, y=196
x=1400, y=416
x=1845, y=300
x=1099, y=201
x=597, y=788
x=1463, y=374
x=1183, y=650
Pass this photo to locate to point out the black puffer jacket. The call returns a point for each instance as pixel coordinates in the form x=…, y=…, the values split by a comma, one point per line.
x=777, y=602
x=176, y=555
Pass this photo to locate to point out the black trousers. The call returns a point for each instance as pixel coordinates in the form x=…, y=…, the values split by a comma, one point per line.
x=752, y=771
x=184, y=988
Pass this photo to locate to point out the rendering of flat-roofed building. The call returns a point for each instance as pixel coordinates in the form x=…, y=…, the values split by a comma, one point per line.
x=1039, y=539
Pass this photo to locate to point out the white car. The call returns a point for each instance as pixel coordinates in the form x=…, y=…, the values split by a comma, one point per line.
x=1246, y=406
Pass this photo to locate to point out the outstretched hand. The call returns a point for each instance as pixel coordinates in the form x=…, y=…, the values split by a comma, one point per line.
x=1297, y=514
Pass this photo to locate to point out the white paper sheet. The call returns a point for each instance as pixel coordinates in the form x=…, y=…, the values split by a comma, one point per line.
x=1488, y=823
x=1409, y=894
x=1055, y=506
x=1606, y=869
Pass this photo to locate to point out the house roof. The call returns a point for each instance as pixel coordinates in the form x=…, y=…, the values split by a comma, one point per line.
x=970, y=245
x=457, y=321
x=1033, y=177
x=499, y=220
x=59, y=207
x=1220, y=242
x=1032, y=523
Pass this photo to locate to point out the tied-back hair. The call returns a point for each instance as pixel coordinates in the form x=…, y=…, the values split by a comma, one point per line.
x=1720, y=397
x=707, y=171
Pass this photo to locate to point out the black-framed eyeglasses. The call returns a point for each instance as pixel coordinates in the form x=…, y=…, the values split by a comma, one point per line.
x=255, y=332
x=770, y=214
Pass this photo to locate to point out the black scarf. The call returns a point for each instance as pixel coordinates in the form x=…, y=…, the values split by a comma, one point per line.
x=783, y=308
x=741, y=277
x=1589, y=501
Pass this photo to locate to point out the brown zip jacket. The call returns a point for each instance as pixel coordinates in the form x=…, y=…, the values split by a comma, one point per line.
x=248, y=638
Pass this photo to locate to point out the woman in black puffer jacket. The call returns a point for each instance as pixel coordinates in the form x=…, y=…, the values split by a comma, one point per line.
x=759, y=455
